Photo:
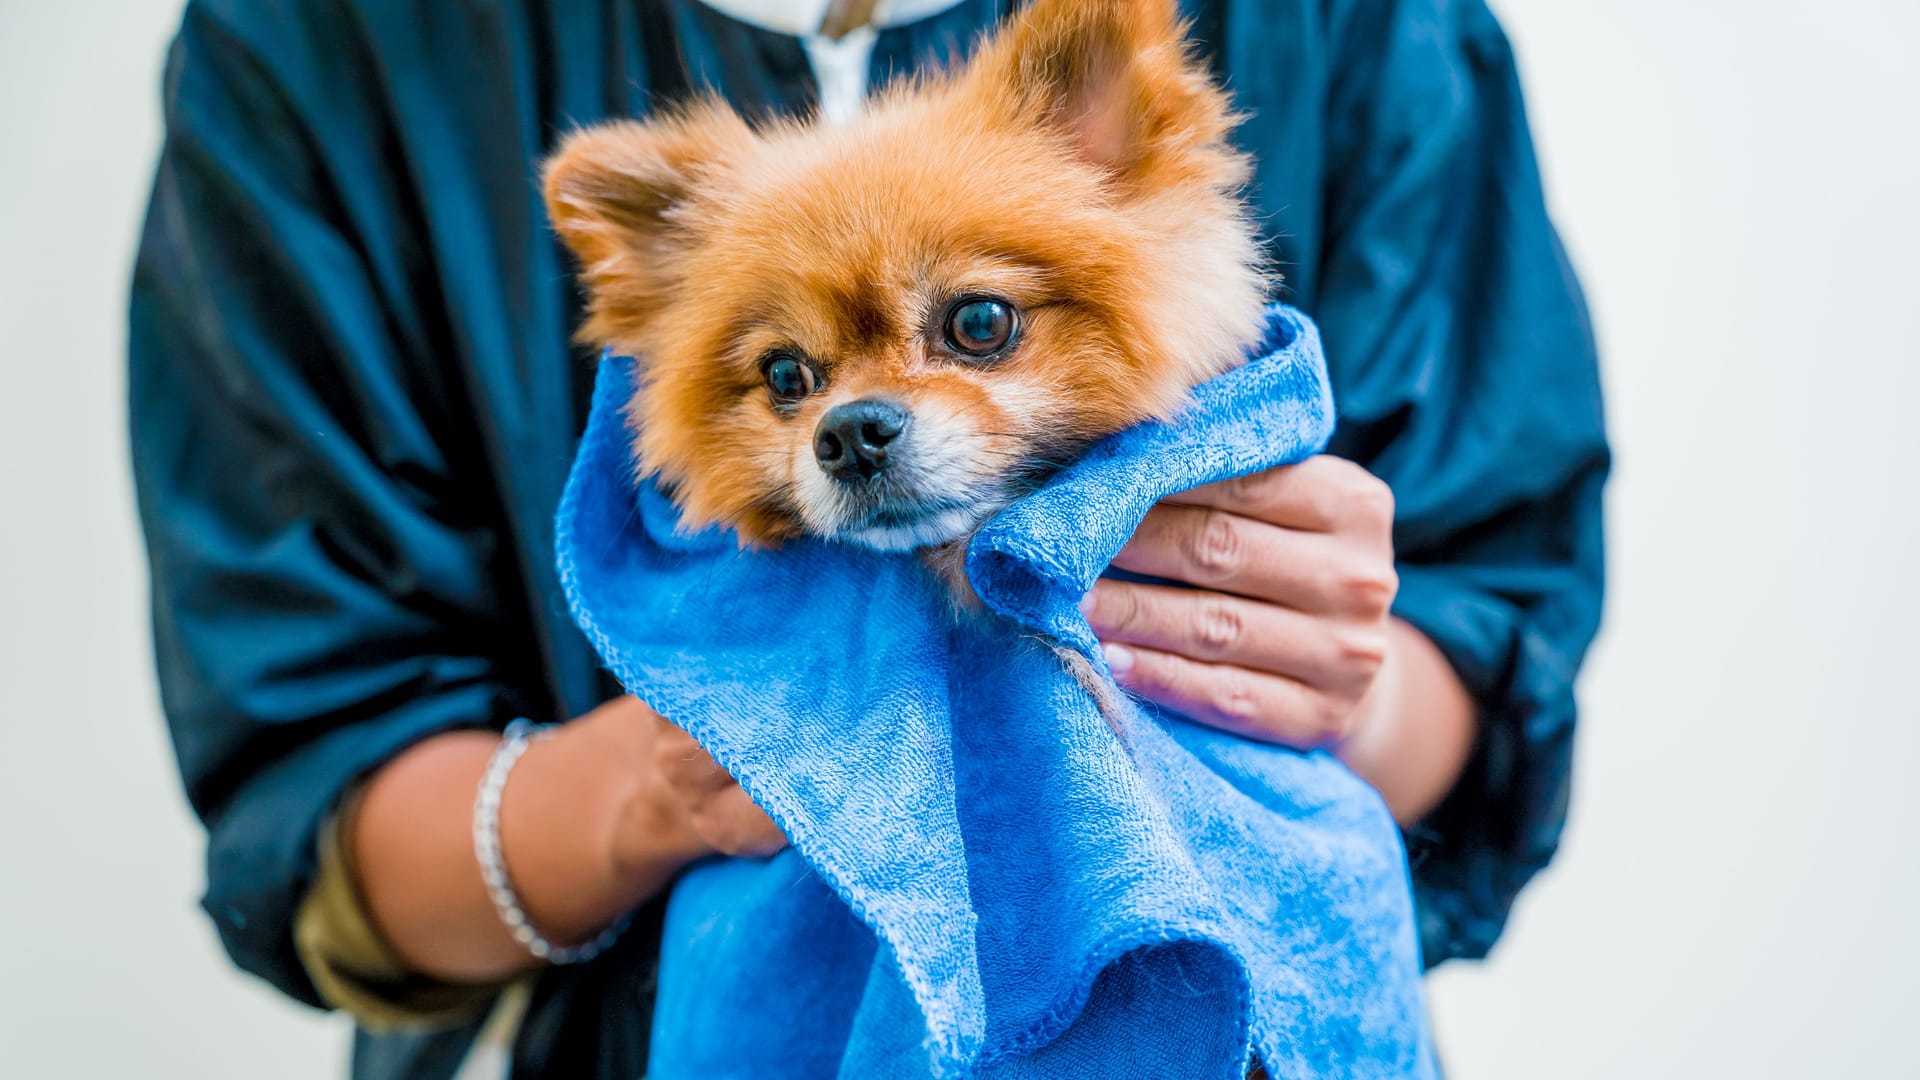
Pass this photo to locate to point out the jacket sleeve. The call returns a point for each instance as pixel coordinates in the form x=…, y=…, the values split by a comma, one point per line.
x=1465, y=373
x=330, y=581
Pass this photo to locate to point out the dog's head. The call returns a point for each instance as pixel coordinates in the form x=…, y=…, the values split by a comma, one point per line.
x=884, y=331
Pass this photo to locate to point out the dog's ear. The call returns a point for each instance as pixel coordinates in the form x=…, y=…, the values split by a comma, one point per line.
x=615, y=193
x=1119, y=79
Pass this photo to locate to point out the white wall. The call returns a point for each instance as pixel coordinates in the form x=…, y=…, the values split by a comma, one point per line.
x=1736, y=898
x=107, y=968
x=1738, y=892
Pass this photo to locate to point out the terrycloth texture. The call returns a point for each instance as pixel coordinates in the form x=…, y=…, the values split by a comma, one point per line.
x=984, y=879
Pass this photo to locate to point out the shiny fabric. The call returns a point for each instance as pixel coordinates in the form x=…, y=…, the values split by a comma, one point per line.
x=354, y=402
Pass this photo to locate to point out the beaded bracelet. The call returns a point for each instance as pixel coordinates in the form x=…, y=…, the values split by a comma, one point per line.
x=493, y=868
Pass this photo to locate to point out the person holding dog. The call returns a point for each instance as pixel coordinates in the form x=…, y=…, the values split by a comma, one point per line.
x=354, y=400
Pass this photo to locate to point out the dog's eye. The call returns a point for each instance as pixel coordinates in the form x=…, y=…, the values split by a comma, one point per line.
x=981, y=325
x=788, y=377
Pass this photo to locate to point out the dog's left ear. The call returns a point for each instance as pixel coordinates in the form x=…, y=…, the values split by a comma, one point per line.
x=618, y=195
x=1119, y=79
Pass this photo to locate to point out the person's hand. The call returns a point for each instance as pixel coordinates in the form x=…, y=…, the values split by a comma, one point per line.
x=684, y=799
x=711, y=802
x=1285, y=636
x=595, y=819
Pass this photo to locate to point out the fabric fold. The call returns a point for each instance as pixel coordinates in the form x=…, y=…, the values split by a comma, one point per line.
x=988, y=878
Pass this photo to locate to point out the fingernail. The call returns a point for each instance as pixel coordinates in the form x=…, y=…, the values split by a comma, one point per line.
x=1119, y=657
x=1086, y=603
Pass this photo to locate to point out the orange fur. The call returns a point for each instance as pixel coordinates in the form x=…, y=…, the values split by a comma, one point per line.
x=1078, y=166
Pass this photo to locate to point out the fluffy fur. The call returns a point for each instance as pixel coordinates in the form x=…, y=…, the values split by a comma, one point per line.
x=1078, y=167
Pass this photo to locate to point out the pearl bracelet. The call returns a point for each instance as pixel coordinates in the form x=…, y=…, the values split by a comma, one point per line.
x=493, y=867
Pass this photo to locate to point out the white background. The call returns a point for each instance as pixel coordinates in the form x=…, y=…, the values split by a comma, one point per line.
x=1739, y=890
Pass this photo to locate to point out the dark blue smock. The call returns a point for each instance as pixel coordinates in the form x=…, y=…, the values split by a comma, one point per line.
x=354, y=401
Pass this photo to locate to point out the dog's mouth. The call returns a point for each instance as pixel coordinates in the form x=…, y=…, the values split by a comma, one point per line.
x=909, y=507
x=933, y=488
x=904, y=522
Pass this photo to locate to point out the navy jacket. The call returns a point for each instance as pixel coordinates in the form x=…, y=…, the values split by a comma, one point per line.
x=354, y=401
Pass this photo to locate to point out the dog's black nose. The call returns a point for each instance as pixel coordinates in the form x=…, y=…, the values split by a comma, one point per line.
x=852, y=439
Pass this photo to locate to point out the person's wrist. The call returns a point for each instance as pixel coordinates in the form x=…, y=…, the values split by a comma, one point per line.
x=1415, y=727
x=1370, y=736
x=519, y=738
x=567, y=827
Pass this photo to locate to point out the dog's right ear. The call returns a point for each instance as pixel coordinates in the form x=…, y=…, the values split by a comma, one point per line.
x=614, y=193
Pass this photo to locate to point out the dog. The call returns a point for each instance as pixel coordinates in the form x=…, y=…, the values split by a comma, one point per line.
x=883, y=331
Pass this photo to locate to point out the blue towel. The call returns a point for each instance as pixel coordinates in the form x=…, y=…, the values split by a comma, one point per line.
x=986, y=878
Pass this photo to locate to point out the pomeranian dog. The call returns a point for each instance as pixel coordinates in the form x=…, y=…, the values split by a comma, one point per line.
x=883, y=331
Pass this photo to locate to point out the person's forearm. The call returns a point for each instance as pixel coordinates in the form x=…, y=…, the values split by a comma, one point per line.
x=412, y=843
x=1420, y=727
